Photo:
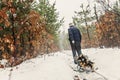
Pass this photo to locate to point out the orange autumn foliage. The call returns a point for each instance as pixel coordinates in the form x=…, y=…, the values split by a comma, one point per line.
x=29, y=39
x=108, y=30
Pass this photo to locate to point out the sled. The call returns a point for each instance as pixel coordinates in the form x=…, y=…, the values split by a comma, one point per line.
x=84, y=64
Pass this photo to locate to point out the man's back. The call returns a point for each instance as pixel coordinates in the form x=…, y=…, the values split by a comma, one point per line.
x=74, y=34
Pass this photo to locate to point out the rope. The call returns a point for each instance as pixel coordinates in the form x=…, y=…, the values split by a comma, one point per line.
x=101, y=75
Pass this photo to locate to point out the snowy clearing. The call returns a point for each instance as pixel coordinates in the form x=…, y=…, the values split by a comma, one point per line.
x=56, y=67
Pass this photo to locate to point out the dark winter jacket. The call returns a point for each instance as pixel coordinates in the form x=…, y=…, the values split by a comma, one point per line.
x=74, y=34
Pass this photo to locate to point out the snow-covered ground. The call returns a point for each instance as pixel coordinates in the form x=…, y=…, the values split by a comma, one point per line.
x=57, y=66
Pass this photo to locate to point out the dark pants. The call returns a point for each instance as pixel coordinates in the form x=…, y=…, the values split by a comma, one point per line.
x=76, y=47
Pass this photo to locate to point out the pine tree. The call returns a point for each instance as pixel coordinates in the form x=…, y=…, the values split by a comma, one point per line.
x=83, y=16
x=48, y=11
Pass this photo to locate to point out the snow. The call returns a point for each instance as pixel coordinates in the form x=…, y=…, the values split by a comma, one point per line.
x=57, y=66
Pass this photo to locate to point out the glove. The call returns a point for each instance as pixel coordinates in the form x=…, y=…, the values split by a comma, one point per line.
x=73, y=41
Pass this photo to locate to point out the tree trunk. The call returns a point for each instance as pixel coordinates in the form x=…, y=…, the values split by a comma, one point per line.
x=13, y=35
x=86, y=24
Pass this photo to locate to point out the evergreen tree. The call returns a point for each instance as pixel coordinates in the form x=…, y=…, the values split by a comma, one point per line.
x=48, y=11
x=83, y=17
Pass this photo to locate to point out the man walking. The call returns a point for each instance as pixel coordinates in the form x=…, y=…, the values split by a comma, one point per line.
x=75, y=41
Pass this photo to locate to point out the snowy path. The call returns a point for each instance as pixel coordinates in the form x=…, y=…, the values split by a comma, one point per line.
x=45, y=68
x=56, y=67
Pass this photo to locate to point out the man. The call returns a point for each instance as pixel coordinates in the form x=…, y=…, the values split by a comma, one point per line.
x=75, y=41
